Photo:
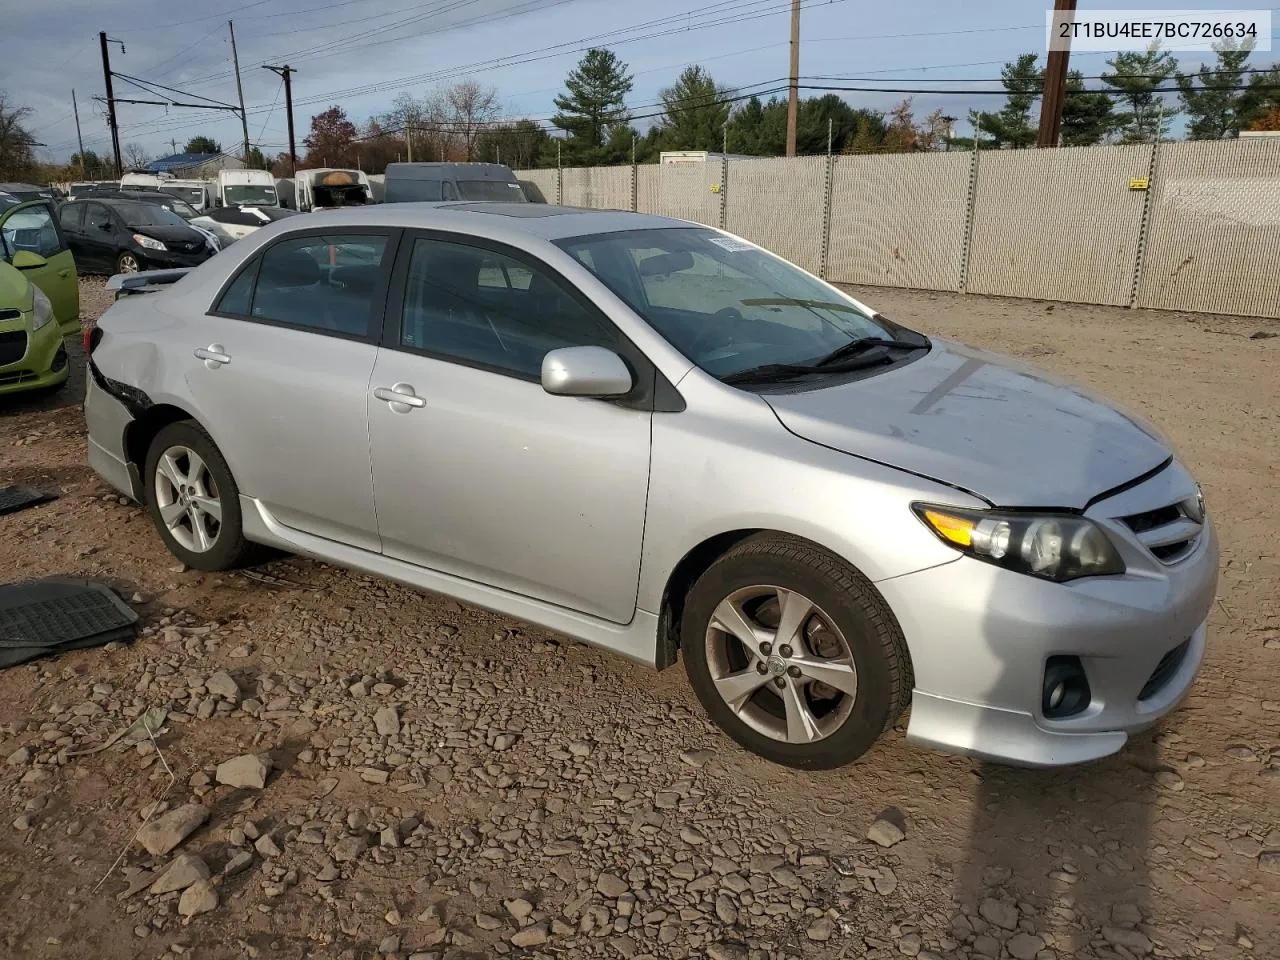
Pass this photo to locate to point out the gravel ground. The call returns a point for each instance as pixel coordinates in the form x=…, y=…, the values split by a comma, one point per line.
x=416, y=778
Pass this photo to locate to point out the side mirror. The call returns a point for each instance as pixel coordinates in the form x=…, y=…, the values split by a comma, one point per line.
x=585, y=372
x=27, y=260
x=105, y=227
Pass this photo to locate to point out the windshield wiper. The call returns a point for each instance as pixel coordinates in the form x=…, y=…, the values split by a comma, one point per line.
x=793, y=302
x=861, y=347
x=777, y=372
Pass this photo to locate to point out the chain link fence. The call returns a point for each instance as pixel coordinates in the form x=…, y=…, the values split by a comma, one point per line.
x=1175, y=226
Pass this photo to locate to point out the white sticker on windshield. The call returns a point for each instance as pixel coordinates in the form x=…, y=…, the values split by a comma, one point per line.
x=732, y=244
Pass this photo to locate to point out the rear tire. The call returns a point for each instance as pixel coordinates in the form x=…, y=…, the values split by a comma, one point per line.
x=193, y=500
x=824, y=670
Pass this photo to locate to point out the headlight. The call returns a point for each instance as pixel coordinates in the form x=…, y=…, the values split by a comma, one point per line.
x=1053, y=546
x=43, y=308
x=148, y=242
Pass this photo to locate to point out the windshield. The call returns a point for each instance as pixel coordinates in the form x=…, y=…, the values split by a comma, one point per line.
x=491, y=190
x=183, y=209
x=275, y=213
x=189, y=194
x=249, y=195
x=724, y=304
x=148, y=215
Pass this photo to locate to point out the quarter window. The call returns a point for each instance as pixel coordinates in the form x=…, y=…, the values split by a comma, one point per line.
x=236, y=298
x=320, y=283
x=69, y=216
x=490, y=309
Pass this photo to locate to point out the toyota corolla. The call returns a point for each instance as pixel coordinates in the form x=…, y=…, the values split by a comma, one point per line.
x=660, y=439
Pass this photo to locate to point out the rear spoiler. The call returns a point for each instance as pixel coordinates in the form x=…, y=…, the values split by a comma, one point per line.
x=145, y=281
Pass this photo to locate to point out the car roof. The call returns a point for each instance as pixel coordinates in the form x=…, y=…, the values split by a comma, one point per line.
x=540, y=220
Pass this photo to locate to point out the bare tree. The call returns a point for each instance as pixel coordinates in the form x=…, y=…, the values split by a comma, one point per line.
x=136, y=156
x=470, y=109
x=16, y=157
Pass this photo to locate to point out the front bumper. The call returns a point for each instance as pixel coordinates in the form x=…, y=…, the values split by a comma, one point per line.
x=43, y=364
x=163, y=259
x=980, y=637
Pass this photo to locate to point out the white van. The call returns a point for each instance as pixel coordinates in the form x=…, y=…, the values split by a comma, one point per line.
x=327, y=187
x=198, y=193
x=144, y=182
x=247, y=188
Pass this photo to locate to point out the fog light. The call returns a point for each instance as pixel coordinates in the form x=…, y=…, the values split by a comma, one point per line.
x=1066, y=688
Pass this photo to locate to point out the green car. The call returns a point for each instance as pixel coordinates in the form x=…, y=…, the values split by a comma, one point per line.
x=39, y=297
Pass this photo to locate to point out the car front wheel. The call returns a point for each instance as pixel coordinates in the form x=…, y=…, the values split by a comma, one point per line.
x=193, y=499
x=794, y=653
x=127, y=263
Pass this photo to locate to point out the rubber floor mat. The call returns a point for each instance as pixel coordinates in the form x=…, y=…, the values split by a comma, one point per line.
x=42, y=617
x=17, y=498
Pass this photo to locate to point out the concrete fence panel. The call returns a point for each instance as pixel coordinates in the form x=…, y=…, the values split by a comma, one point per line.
x=899, y=220
x=1058, y=224
x=604, y=188
x=778, y=203
x=1213, y=237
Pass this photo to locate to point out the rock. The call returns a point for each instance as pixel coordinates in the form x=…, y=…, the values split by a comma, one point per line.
x=239, y=863
x=885, y=881
x=266, y=846
x=693, y=836
x=185, y=870
x=441, y=773
x=725, y=910
x=198, y=898
x=820, y=930
x=1200, y=848
x=389, y=944
x=530, y=936
x=1126, y=915
x=19, y=758
x=561, y=848
x=374, y=775
x=328, y=873
x=168, y=830
x=909, y=945
x=486, y=922
x=727, y=951
x=348, y=848
x=519, y=908
x=248, y=772
x=885, y=833
x=696, y=758
x=1024, y=946
x=580, y=748
x=765, y=862
x=223, y=685
x=1131, y=940
x=387, y=721
x=1269, y=861
x=22, y=823
x=505, y=741
x=611, y=886
x=1239, y=751
x=1000, y=913
x=1170, y=780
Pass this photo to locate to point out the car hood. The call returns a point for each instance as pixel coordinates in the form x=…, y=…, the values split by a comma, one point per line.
x=15, y=290
x=1014, y=435
x=165, y=231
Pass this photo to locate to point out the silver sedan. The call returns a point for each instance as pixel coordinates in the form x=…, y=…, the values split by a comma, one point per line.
x=660, y=439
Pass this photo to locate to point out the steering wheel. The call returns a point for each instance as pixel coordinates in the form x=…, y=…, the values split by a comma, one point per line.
x=732, y=314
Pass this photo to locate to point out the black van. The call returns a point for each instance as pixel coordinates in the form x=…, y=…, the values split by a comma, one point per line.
x=409, y=182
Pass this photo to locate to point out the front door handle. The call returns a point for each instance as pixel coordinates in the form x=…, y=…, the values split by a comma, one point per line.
x=214, y=355
x=65, y=274
x=402, y=397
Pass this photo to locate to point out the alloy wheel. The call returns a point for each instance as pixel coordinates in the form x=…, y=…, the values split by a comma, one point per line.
x=781, y=664
x=128, y=263
x=187, y=498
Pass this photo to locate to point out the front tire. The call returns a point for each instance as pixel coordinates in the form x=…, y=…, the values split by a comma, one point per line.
x=128, y=263
x=794, y=653
x=193, y=500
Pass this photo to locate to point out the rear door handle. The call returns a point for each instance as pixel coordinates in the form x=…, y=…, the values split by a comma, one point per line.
x=64, y=274
x=214, y=355
x=402, y=397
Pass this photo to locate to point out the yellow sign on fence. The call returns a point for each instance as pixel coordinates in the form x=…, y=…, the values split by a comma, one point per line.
x=1139, y=183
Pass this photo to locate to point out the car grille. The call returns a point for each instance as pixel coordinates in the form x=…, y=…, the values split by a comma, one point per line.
x=13, y=347
x=1170, y=532
x=8, y=313
x=186, y=246
x=1165, y=670
x=17, y=376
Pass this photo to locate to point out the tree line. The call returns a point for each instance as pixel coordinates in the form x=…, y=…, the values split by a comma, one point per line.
x=593, y=125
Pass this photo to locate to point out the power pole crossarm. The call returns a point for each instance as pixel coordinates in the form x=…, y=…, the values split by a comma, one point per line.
x=244, y=119
x=793, y=97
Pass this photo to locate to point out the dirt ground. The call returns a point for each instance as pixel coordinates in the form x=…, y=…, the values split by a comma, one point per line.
x=446, y=783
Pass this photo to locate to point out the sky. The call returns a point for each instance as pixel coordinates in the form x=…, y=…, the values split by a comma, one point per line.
x=360, y=54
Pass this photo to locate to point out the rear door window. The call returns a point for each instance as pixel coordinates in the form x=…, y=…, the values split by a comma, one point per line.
x=322, y=283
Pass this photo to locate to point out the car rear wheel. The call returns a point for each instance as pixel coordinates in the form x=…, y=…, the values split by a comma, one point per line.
x=193, y=499
x=127, y=263
x=794, y=653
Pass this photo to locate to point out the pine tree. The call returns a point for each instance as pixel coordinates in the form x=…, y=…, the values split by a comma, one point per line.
x=1135, y=77
x=1087, y=115
x=594, y=102
x=1011, y=126
x=696, y=112
x=1216, y=105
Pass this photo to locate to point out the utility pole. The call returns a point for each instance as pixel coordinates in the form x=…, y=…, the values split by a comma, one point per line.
x=111, y=103
x=244, y=120
x=285, y=73
x=793, y=102
x=173, y=144
x=408, y=141
x=1055, y=85
x=80, y=140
